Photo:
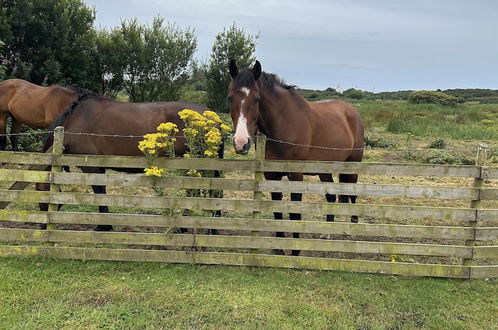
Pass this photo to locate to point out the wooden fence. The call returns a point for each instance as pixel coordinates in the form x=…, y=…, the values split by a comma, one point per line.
x=426, y=230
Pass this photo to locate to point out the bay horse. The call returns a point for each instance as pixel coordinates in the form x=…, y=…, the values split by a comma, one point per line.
x=31, y=105
x=106, y=125
x=296, y=129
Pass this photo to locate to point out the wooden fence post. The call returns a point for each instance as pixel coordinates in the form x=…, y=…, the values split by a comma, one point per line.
x=57, y=149
x=258, y=176
x=481, y=157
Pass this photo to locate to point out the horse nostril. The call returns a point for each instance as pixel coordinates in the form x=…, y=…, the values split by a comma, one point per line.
x=246, y=146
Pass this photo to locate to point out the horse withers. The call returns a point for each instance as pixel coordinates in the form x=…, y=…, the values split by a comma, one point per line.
x=99, y=126
x=31, y=105
x=330, y=130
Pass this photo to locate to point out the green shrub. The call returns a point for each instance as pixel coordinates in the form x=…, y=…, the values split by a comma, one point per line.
x=438, y=144
x=446, y=157
x=354, y=94
x=408, y=155
x=375, y=141
x=433, y=98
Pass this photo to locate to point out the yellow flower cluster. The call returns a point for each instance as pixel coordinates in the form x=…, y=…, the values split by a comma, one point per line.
x=203, y=132
x=154, y=171
x=213, y=141
x=163, y=140
x=168, y=128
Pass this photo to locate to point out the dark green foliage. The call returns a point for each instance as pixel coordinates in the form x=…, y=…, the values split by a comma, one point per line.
x=438, y=144
x=485, y=96
x=474, y=95
x=48, y=37
x=151, y=63
x=2, y=68
x=399, y=95
x=375, y=141
x=448, y=157
x=231, y=44
x=355, y=94
x=433, y=98
x=316, y=95
x=193, y=96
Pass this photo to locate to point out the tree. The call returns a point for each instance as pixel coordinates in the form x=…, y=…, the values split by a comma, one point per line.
x=231, y=44
x=106, y=63
x=48, y=38
x=353, y=93
x=2, y=68
x=151, y=63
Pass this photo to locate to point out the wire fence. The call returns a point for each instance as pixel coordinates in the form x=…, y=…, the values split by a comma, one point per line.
x=461, y=149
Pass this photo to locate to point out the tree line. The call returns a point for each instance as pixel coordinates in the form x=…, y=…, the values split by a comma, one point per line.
x=460, y=95
x=55, y=42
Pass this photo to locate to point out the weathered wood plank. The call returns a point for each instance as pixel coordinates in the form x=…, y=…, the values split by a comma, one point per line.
x=486, y=252
x=25, y=158
x=486, y=233
x=371, y=189
x=18, y=185
x=141, y=180
x=489, y=194
x=256, y=242
x=24, y=175
x=239, y=259
x=24, y=216
x=23, y=235
x=371, y=168
x=248, y=165
x=490, y=172
x=372, y=210
x=251, y=185
x=240, y=242
x=487, y=215
x=483, y=271
x=265, y=225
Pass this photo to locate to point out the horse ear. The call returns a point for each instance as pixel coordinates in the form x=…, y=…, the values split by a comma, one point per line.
x=256, y=70
x=234, y=71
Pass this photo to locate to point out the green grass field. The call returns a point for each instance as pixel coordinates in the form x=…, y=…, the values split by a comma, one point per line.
x=47, y=293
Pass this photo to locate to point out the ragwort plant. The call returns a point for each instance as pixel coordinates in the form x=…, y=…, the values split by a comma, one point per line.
x=204, y=134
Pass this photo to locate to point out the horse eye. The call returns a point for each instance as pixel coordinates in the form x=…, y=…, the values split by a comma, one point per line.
x=257, y=100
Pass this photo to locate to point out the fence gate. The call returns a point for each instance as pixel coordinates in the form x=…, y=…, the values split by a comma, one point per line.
x=421, y=220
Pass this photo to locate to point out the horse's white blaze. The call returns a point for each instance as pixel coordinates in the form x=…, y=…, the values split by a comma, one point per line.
x=241, y=136
x=245, y=90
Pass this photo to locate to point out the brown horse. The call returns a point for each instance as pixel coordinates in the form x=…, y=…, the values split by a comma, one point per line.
x=31, y=105
x=296, y=129
x=96, y=125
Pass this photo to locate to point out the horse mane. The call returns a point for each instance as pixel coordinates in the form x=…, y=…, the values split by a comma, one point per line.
x=83, y=94
x=268, y=81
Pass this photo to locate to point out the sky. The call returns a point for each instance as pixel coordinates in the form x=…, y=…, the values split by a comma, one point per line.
x=381, y=45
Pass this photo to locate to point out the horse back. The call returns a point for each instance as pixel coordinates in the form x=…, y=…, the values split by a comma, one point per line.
x=37, y=106
x=339, y=125
x=114, y=128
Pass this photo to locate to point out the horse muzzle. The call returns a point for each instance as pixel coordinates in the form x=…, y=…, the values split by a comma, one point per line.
x=242, y=148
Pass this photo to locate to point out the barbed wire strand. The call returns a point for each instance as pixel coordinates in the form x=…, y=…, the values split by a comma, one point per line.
x=268, y=139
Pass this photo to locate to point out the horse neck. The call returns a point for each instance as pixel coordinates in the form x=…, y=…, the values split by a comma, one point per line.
x=275, y=112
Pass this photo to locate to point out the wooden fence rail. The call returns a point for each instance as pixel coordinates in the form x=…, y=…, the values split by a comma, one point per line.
x=413, y=235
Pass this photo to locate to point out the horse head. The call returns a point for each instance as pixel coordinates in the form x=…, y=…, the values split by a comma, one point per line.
x=243, y=98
